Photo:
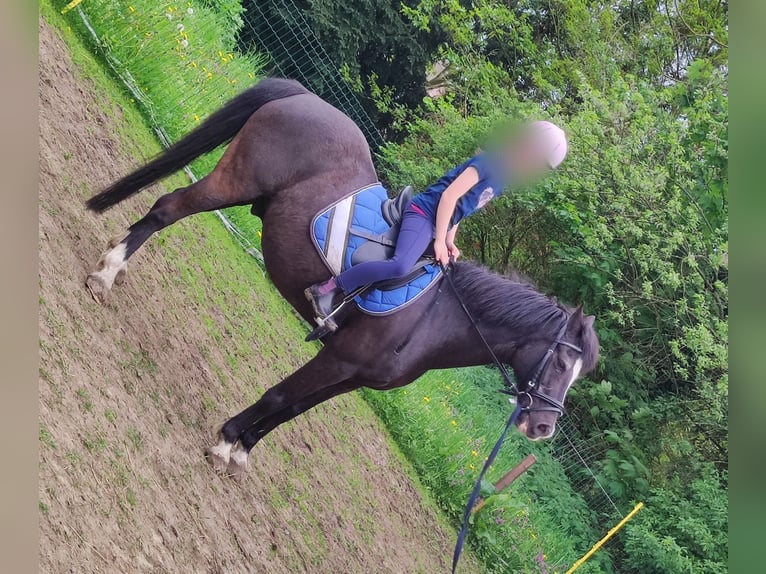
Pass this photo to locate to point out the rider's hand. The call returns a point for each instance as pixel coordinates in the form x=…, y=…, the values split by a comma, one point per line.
x=441, y=252
x=454, y=252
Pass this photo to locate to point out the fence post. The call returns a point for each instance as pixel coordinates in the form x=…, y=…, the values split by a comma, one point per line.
x=508, y=479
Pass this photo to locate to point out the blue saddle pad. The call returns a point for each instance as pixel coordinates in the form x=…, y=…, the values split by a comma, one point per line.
x=333, y=232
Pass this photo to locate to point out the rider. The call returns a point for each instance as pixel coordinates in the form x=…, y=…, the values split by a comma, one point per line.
x=436, y=213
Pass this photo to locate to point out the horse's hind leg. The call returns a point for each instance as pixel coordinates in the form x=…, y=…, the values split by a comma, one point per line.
x=185, y=201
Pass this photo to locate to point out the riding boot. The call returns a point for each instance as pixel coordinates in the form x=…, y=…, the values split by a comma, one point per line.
x=324, y=297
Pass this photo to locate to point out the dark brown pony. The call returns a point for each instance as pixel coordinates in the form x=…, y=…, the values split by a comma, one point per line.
x=292, y=155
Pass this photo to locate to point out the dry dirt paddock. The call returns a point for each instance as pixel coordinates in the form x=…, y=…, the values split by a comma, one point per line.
x=131, y=391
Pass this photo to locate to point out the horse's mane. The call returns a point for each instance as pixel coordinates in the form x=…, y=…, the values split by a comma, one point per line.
x=515, y=302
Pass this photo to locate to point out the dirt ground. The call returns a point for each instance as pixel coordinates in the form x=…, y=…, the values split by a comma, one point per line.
x=131, y=392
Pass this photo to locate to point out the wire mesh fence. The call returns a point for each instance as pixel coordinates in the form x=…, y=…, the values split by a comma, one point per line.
x=279, y=28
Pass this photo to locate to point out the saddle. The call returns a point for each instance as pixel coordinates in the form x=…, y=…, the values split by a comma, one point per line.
x=379, y=247
x=364, y=226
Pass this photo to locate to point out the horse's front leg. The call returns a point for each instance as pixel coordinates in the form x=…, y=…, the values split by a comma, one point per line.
x=240, y=452
x=278, y=404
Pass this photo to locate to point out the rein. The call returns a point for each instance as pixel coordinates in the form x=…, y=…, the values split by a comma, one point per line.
x=531, y=391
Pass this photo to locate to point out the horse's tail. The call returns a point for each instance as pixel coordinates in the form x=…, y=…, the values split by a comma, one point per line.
x=219, y=128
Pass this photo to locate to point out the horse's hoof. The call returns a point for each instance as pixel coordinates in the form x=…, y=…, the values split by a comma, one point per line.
x=97, y=287
x=119, y=279
x=218, y=463
x=237, y=468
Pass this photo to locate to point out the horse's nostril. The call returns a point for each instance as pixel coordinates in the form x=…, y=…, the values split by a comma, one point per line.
x=543, y=429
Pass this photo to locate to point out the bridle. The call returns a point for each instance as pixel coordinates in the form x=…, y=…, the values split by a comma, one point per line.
x=531, y=390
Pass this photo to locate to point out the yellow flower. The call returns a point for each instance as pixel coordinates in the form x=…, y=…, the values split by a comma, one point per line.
x=427, y=399
x=475, y=453
x=194, y=64
x=454, y=423
x=471, y=466
x=131, y=8
x=196, y=118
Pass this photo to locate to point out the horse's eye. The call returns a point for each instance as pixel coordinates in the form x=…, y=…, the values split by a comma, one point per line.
x=560, y=366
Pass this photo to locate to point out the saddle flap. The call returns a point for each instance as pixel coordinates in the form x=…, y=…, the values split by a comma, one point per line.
x=376, y=249
x=393, y=209
x=356, y=222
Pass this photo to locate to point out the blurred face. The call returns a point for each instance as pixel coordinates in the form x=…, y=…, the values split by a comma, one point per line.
x=526, y=159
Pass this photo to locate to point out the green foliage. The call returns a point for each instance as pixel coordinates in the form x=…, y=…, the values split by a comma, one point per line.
x=376, y=49
x=634, y=226
x=230, y=13
x=691, y=539
x=183, y=61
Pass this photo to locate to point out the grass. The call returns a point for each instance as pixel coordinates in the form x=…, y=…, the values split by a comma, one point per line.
x=85, y=401
x=46, y=438
x=260, y=314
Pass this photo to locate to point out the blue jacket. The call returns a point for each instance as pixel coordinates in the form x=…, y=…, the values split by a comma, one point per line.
x=491, y=184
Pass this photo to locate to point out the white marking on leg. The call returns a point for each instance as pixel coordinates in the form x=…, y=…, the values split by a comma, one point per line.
x=222, y=450
x=239, y=456
x=110, y=264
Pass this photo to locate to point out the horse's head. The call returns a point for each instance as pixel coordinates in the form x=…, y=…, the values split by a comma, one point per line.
x=546, y=368
x=548, y=345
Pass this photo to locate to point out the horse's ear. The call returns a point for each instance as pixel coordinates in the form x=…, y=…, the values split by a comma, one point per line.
x=587, y=323
x=575, y=321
